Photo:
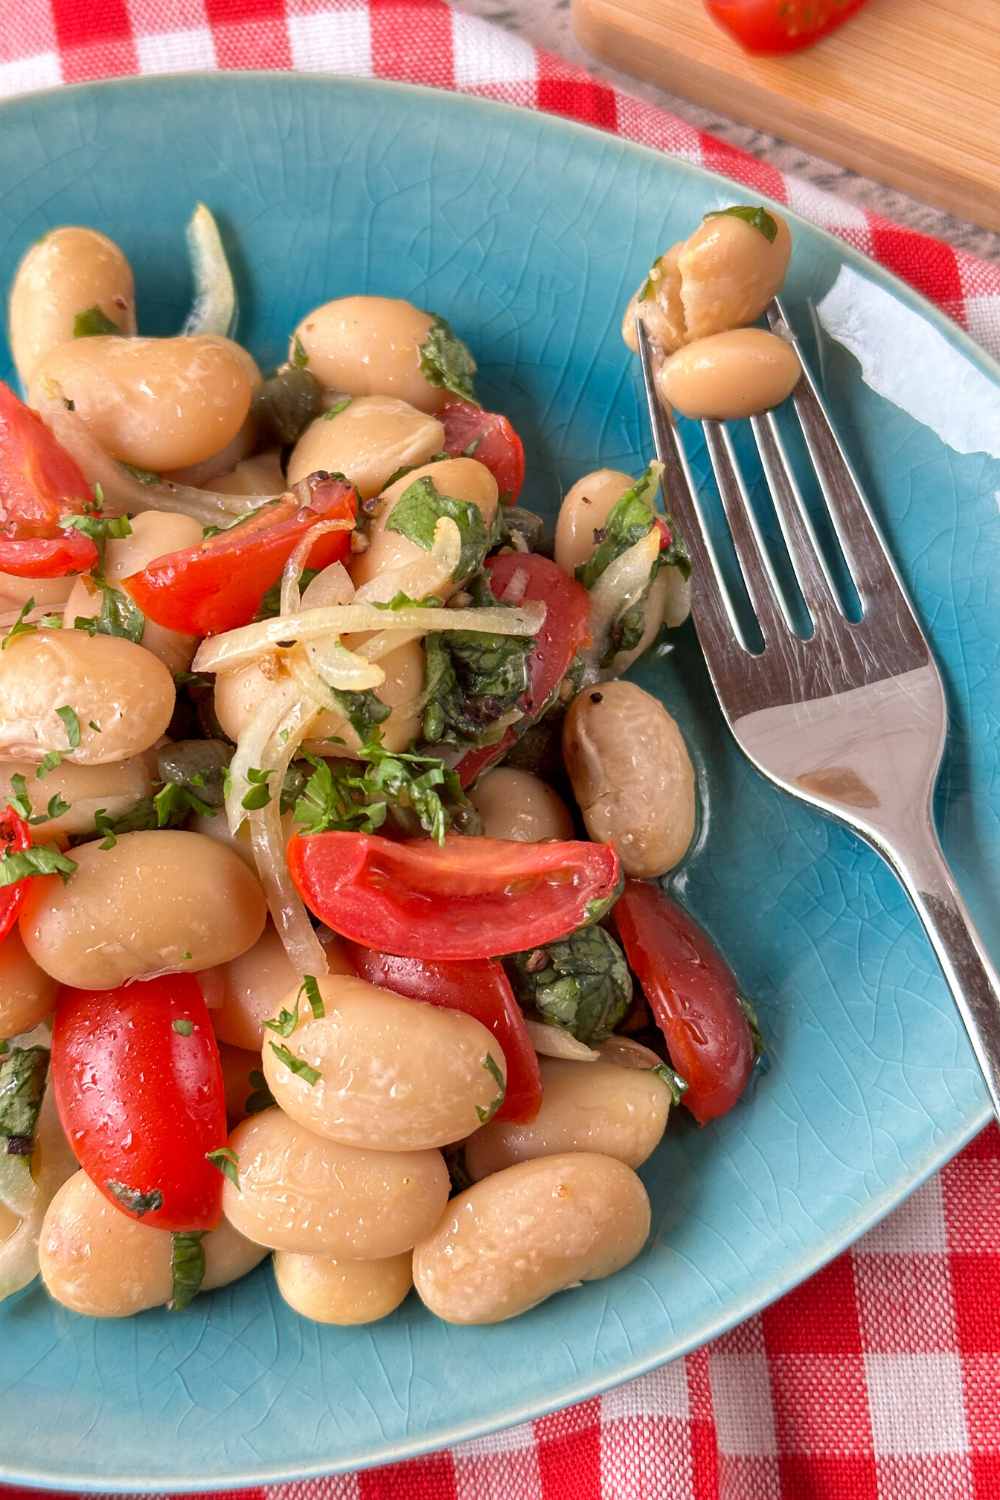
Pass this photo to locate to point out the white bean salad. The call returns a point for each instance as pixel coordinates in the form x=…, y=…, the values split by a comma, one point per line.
x=330, y=904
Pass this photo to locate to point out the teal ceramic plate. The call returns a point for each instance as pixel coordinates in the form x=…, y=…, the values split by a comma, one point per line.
x=529, y=234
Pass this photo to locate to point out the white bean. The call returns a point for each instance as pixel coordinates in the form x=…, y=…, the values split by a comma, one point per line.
x=343, y=1292
x=255, y=984
x=730, y=375
x=69, y=271
x=514, y=804
x=369, y=346
x=115, y=788
x=367, y=442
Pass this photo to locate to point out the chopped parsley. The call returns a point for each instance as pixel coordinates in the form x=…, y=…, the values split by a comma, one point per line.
x=144, y=476
x=300, y=358
x=337, y=408
x=132, y=1200
x=21, y=802
x=415, y=793
x=92, y=322
x=492, y=1068
x=445, y=361
x=259, y=794
x=757, y=218
x=49, y=761
x=18, y=864
x=183, y=1027
x=118, y=615
x=297, y=1065
x=72, y=723
x=21, y=625
x=310, y=988
x=187, y=1268
x=224, y=1158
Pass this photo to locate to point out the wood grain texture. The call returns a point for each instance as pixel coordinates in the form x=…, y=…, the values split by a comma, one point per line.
x=908, y=91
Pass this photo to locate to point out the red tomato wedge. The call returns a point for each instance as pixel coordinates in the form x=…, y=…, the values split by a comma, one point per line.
x=693, y=995
x=514, y=577
x=15, y=836
x=481, y=989
x=467, y=898
x=470, y=432
x=39, y=484
x=138, y=1086
x=780, y=25
x=219, y=584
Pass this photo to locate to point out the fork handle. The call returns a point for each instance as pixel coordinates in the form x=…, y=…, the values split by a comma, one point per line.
x=972, y=979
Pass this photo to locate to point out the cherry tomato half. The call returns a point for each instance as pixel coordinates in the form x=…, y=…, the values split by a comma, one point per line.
x=138, y=1087
x=481, y=989
x=15, y=836
x=467, y=898
x=693, y=995
x=566, y=628
x=39, y=484
x=470, y=432
x=219, y=584
x=780, y=25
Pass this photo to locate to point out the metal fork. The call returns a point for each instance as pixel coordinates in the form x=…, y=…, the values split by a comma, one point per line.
x=852, y=720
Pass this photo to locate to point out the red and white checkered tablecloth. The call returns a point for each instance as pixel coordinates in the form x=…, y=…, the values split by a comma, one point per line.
x=879, y=1379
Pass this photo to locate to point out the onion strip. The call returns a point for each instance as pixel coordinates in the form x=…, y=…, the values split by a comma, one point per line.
x=235, y=647
x=423, y=578
x=553, y=1041
x=288, y=913
x=621, y=585
x=291, y=578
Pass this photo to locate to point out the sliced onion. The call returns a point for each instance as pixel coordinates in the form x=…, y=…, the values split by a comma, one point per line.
x=553, y=1041
x=622, y=583
x=332, y=586
x=677, y=605
x=234, y=647
x=340, y=668
x=252, y=744
x=215, y=309
x=291, y=578
x=425, y=577
x=627, y=1053
x=516, y=586
x=288, y=913
x=123, y=492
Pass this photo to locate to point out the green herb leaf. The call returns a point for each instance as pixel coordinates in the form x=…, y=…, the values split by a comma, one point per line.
x=98, y=528
x=133, y=1200
x=311, y=989
x=261, y=1097
x=756, y=1035
x=337, y=408
x=364, y=711
x=259, y=794
x=23, y=1073
x=182, y=1027
x=492, y=1068
x=675, y=1083
x=43, y=859
x=286, y=1020
x=144, y=476
x=445, y=361
x=91, y=322
x=119, y=615
x=403, y=601
x=227, y=1162
x=20, y=626
x=631, y=518
x=581, y=983
x=300, y=358
x=187, y=1268
x=298, y=1065
x=472, y=680
x=417, y=792
x=758, y=218
x=198, y=766
x=20, y=801
x=72, y=723
x=172, y=805
x=420, y=507
x=48, y=762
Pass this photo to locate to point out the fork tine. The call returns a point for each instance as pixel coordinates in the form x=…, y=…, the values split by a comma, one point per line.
x=758, y=574
x=853, y=522
x=808, y=563
x=715, y=617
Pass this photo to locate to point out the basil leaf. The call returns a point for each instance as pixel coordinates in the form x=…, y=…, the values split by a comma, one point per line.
x=492, y=1068
x=756, y=1035
x=187, y=1268
x=445, y=361
x=119, y=615
x=144, y=476
x=72, y=723
x=364, y=711
x=18, y=864
x=758, y=218
x=629, y=521
x=420, y=507
x=133, y=1200
x=224, y=1158
x=297, y=1065
x=312, y=994
x=472, y=680
x=20, y=626
x=403, y=601
x=23, y=1074
x=92, y=322
x=337, y=408
x=581, y=983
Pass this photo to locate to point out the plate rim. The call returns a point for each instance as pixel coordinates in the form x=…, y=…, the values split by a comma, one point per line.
x=834, y=1243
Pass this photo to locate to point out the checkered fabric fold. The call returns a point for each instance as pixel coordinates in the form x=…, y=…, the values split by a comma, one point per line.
x=879, y=1379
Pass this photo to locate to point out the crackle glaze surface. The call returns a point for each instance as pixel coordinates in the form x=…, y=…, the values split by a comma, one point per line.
x=529, y=234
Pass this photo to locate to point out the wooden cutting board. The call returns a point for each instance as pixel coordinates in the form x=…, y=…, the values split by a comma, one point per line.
x=908, y=92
